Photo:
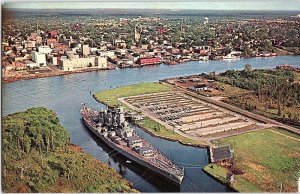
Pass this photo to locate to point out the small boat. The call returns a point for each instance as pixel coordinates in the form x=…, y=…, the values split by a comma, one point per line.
x=128, y=161
x=230, y=57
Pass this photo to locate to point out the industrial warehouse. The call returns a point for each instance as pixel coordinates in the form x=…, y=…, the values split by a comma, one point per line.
x=187, y=114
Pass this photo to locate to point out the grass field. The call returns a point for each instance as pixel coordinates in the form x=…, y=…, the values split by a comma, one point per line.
x=216, y=171
x=110, y=97
x=229, y=90
x=267, y=158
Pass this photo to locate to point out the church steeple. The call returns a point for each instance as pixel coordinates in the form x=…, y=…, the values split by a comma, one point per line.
x=137, y=35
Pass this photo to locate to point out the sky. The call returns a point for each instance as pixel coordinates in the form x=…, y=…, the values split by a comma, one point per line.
x=162, y=4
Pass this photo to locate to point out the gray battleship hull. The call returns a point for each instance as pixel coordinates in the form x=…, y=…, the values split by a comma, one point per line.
x=167, y=175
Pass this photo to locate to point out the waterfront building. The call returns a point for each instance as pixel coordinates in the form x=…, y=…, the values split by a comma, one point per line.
x=31, y=64
x=203, y=58
x=149, y=61
x=39, y=58
x=222, y=153
x=85, y=50
x=76, y=63
x=101, y=62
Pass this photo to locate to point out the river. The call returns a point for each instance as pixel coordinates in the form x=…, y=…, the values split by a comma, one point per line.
x=64, y=95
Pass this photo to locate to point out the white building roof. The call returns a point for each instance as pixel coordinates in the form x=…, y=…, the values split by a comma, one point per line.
x=45, y=49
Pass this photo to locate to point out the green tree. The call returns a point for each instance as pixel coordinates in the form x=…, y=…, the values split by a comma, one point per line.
x=248, y=69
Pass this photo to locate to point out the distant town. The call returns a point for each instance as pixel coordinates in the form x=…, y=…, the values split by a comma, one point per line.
x=38, y=47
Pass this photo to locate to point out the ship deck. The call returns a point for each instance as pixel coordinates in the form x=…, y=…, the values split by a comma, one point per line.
x=158, y=160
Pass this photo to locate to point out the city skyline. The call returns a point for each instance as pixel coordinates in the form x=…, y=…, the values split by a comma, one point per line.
x=175, y=5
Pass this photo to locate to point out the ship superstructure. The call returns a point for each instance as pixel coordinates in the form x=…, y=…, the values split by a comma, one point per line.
x=112, y=128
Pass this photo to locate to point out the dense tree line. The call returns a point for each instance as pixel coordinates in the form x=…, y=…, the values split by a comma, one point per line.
x=276, y=87
x=36, y=129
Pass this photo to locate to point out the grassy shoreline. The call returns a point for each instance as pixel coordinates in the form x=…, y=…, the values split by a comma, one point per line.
x=267, y=158
x=171, y=137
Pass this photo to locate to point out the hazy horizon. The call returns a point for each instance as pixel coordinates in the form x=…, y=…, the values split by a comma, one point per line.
x=218, y=5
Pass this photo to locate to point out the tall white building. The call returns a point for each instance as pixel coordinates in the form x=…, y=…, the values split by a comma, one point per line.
x=54, y=60
x=205, y=21
x=85, y=50
x=39, y=58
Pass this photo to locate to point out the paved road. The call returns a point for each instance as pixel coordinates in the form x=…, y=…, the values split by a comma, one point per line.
x=229, y=134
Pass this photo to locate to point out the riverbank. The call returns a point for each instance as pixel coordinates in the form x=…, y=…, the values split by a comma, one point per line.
x=177, y=138
x=266, y=158
x=27, y=76
x=48, y=74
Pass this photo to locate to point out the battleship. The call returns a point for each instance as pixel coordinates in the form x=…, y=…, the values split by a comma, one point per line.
x=111, y=127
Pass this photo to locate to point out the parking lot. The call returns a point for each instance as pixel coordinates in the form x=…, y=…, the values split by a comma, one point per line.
x=187, y=114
